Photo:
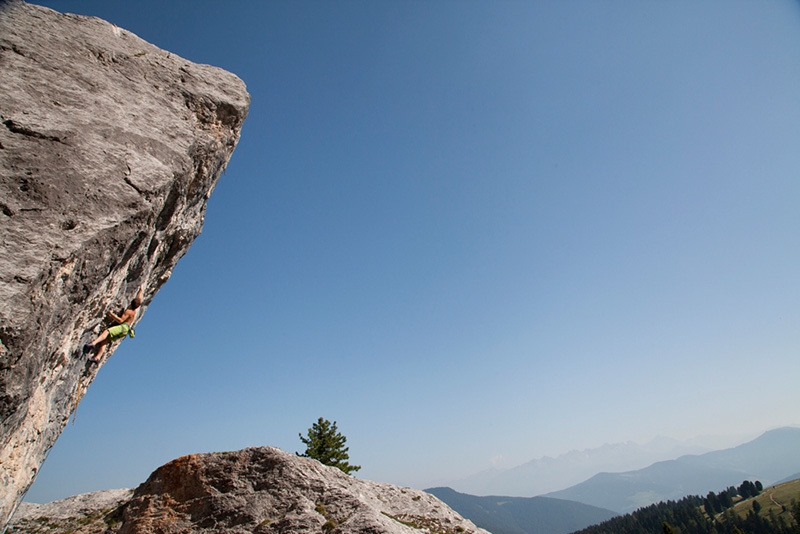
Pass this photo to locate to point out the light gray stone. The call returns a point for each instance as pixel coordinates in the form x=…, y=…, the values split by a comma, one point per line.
x=259, y=490
x=109, y=149
x=75, y=505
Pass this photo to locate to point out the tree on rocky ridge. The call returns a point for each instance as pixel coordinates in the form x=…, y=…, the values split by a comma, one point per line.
x=325, y=444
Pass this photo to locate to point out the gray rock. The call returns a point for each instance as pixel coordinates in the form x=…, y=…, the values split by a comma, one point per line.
x=260, y=490
x=109, y=149
x=88, y=513
x=75, y=505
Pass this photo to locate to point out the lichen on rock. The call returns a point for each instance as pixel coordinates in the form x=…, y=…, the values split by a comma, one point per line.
x=261, y=490
x=109, y=150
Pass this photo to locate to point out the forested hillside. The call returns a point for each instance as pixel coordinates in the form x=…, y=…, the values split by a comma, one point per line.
x=747, y=509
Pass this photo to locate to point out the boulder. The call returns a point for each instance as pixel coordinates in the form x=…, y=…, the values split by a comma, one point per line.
x=260, y=490
x=109, y=150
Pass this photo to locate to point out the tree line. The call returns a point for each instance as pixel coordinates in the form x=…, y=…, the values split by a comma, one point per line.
x=716, y=503
x=694, y=514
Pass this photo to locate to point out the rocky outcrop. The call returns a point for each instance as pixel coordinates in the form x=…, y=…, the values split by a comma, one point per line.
x=88, y=513
x=109, y=149
x=260, y=490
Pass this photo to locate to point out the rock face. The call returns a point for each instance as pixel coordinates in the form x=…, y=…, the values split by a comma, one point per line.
x=259, y=490
x=85, y=513
x=109, y=149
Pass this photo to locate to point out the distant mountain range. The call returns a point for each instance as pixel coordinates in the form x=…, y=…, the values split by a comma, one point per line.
x=520, y=515
x=544, y=475
x=770, y=458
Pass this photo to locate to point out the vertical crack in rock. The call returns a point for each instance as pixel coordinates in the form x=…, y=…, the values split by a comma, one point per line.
x=109, y=149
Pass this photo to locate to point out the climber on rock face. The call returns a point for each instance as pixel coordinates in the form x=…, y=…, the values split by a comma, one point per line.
x=123, y=328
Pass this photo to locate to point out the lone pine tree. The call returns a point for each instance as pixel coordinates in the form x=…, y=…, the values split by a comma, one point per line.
x=325, y=444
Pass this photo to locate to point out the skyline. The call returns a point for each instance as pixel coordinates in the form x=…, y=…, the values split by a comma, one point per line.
x=473, y=235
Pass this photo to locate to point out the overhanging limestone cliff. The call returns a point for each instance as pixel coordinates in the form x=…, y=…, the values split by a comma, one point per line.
x=109, y=149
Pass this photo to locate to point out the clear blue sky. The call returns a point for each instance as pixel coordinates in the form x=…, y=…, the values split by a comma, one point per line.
x=470, y=232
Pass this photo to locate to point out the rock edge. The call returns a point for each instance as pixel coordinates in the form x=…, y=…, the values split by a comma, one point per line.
x=109, y=150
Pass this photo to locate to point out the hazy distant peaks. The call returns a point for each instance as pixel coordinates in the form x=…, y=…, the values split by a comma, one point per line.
x=546, y=474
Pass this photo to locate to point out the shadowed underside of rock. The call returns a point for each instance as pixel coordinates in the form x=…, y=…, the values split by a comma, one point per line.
x=109, y=149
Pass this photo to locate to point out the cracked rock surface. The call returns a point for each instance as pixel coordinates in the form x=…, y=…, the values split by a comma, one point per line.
x=88, y=513
x=109, y=150
x=259, y=490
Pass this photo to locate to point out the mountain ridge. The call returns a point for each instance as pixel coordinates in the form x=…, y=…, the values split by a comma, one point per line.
x=547, y=474
x=768, y=458
x=522, y=515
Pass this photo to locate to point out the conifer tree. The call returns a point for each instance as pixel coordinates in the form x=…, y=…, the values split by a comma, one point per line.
x=325, y=444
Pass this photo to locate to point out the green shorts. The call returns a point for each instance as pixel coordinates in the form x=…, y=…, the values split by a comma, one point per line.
x=118, y=332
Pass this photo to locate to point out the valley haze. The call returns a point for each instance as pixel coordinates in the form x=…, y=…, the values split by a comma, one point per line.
x=547, y=474
x=472, y=234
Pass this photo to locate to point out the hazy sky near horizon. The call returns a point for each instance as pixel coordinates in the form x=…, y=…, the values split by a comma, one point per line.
x=473, y=234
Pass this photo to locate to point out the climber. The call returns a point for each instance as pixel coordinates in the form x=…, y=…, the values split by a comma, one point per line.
x=123, y=328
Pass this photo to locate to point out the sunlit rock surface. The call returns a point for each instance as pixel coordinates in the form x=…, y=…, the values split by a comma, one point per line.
x=109, y=149
x=260, y=490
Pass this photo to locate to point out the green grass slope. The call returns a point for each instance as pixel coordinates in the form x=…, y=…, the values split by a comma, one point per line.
x=775, y=501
